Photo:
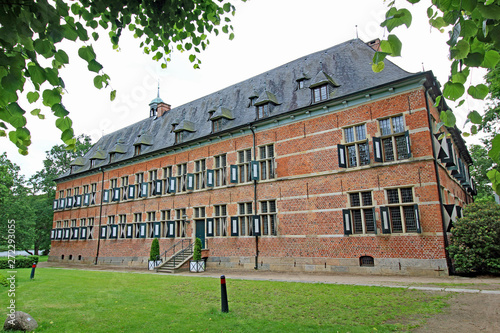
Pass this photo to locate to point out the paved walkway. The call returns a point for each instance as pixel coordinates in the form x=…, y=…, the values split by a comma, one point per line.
x=483, y=285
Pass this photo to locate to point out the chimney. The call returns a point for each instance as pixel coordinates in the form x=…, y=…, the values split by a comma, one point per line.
x=162, y=108
x=374, y=44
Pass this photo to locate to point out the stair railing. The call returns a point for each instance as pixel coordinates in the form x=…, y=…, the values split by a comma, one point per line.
x=180, y=245
x=186, y=250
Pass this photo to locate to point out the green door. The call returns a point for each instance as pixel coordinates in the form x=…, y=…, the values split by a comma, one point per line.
x=200, y=231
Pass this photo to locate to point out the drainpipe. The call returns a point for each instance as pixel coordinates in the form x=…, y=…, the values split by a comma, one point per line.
x=100, y=218
x=255, y=201
x=436, y=169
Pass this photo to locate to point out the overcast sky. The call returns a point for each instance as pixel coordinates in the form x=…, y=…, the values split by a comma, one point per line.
x=268, y=33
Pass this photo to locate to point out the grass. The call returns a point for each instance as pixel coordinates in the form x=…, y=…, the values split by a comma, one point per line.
x=82, y=301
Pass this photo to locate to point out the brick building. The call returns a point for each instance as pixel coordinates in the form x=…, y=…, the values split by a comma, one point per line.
x=317, y=165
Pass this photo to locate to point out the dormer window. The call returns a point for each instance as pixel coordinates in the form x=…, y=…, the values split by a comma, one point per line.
x=137, y=150
x=263, y=111
x=179, y=136
x=216, y=125
x=320, y=93
x=252, y=101
x=220, y=117
x=182, y=131
x=92, y=164
x=301, y=84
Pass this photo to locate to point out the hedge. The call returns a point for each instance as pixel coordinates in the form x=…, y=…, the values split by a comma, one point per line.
x=21, y=262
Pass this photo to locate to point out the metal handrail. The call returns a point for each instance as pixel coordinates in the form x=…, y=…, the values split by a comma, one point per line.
x=181, y=242
x=189, y=247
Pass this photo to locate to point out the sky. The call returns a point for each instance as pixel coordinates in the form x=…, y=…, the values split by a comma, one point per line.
x=268, y=33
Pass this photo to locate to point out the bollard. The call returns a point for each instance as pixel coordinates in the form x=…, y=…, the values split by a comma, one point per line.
x=33, y=271
x=223, y=294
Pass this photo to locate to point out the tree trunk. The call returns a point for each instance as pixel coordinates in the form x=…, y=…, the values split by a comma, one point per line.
x=31, y=253
x=36, y=250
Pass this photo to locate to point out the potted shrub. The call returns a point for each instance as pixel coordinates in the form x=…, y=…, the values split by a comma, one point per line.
x=197, y=264
x=154, y=255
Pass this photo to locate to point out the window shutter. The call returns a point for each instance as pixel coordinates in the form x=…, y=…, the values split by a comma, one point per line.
x=408, y=146
x=256, y=225
x=157, y=229
x=437, y=144
x=234, y=173
x=59, y=234
x=142, y=230
x=92, y=198
x=144, y=190
x=159, y=184
x=131, y=191
x=417, y=218
x=67, y=233
x=449, y=161
x=210, y=178
x=105, y=196
x=54, y=205
x=459, y=211
x=53, y=234
x=386, y=223
x=83, y=232
x=234, y=226
x=210, y=227
x=62, y=203
x=254, y=170
x=78, y=200
x=172, y=184
x=113, y=231
x=190, y=181
x=74, y=233
x=104, y=232
x=86, y=199
x=342, y=156
x=130, y=229
x=377, y=150
x=170, y=229
x=116, y=194
x=124, y=193
x=346, y=213
x=69, y=202
x=374, y=221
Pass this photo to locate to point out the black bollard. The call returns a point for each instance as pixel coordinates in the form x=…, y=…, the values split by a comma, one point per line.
x=223, y=294
x=33, y=271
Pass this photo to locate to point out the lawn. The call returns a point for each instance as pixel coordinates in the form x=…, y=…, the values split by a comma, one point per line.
x=84, y=301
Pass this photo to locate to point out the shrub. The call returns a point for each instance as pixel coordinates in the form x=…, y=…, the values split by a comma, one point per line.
x=197, y=250
x=475, y=242
x=154, y=254
x=3, y=281
x=21, y=262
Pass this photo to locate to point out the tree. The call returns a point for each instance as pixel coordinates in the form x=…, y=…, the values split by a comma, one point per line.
x=482, y=164
x=474, y=29
x=154, y=253
x=32, y=30
x=475, y=241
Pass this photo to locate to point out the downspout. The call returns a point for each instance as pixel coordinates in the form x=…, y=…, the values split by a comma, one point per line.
x=436, y=169
x=255, y=200
x=100, y=218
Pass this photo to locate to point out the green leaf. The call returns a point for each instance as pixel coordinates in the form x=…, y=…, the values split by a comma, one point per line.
x=494, y=177
x=63, y=123
x=192, y=58
x=478, y=92
x=461, y=50
x=453, y=91
x=86, y=53
x=473, y=129
x=469, y=29
x=491, y=11
x=391, y=46
x=475, y=117
x=62, y=57
x=491, y=59
x=98, y=82
x=378, y=67
x=396, y=17
x=474, y=59
x=43, y=47
x=448, y=118
x=67, y=135
x=59, y=110
x=51, y=97
x=112, y=95
x=33, y=96
x=94, y=66
x=438, y=100
x=37, y=73
x=494, y=152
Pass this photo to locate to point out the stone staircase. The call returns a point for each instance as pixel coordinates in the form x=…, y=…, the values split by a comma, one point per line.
x=176, y=261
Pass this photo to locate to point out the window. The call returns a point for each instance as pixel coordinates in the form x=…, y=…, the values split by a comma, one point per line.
x=122, y=220
x=320, y=93
x=76, y=191
x=165, y=216
x=220, y=170
x=180, y=222
x=85, y=189
x=91, y=221
x=394, y=139
x=268, y=217
x=216, y=125
x=93, y=187
x=114, y=183
x=137, y=150
x=83, y=222
x=151, y=219
x=151, y=216
x=92, y=163
x=111, y=219
x=68, y=193
x=401, y=213
x=138, y=217
x=153, y=176
x=360, y=219
x=58, y=224
x=263, y=111
x=179, y=137
x=73, y=223
x=199, y=212
x=199, y=174
x=252, y=101
x=356, y=146
x=139, y=179
x=124, y=181
x=220, y=217
x=266, y=161
x=61, y=194
x=245, y=218
x=125, y=190
x=244, y=158
x=181, y=177
x=301, y=84
x=167, y=173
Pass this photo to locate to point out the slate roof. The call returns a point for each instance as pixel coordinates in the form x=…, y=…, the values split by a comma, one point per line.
x=346, y=66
